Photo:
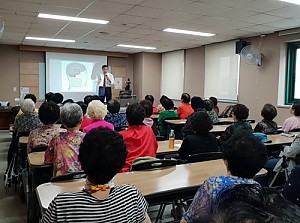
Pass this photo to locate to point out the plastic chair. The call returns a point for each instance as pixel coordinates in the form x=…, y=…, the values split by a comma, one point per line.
x=200, y=157
x=15, y=110
x=39, y=149
x=153, y=164
x=69, y=176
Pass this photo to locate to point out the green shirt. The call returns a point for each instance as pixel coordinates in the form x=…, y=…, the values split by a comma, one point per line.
x=164, y=115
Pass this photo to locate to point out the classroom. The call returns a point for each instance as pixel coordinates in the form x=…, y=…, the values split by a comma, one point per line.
x=150, y=111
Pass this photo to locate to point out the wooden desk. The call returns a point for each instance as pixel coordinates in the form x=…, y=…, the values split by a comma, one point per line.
x=156, y=185
x=23, y=140
x=163, y=147
x=36, y=159
x=176, y=122
x=222, y=128
x=6, y=118
x=279, y=140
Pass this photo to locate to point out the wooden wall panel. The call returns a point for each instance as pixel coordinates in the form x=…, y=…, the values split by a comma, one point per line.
x=118, y=72
x=29, y=68
x=29, y=76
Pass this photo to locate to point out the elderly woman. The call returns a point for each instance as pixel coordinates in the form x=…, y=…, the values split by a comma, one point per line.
x=63, y=149
x=29, y=120
x=97, y=111
x=40, y=137
x=101, y=200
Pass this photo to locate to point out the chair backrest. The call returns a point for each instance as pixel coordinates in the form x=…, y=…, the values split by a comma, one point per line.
x=69, y=176
x=227, y=112
x=200, y=157
x=153, y=164
x=39, y=149
x=295, y=130
x=223, y=123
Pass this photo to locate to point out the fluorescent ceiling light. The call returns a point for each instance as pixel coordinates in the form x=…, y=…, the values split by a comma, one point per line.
x=50, y=39
x=297, y=2
x=71, y=18
x=171, y=30
x=137, y=47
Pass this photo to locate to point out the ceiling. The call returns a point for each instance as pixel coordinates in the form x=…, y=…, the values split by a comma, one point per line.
x=140, y=22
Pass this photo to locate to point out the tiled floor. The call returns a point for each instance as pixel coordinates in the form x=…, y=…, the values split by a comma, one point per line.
x=13, y=210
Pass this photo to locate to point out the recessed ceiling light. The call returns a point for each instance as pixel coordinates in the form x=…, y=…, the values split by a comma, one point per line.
x=181, y=31
x=137, y=47
x=50, y=39
x=297, y=2
x=73, y=19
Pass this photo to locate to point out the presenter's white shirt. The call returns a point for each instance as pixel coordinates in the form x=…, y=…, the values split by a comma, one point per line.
x=107, y=83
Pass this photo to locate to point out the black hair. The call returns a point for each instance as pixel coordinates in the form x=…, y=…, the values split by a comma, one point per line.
x=49, y=96
x=113, y=106
x=168, y=104
x=149, y=98
x=104, y=66
x=246, y=203
x=201, y=122
x=148, y=107
x=58, y=98
x=269, y=112
x=208, y=105
x=214, y=100
x=186, y=98
x=87, y=99
x=296, y=107
x=107, y=144
x=240, y=111
x=135, y=114
x=245, y=154
x=31, y=96
x=197, y=103
x=162, y=98
x=95, y=98
x=83, y=106
x=68, y=101
x=49, y=112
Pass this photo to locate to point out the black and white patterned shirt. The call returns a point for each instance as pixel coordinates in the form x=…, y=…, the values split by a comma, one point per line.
x=124, y=204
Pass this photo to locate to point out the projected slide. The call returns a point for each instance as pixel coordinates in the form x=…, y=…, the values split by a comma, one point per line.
x=74, y=75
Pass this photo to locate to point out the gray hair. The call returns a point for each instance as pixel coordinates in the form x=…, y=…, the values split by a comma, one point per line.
x=27, y=106
x=70, y=115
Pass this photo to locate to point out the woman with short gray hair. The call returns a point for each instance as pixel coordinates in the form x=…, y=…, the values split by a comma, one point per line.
x=63, y=149
x=29, y=120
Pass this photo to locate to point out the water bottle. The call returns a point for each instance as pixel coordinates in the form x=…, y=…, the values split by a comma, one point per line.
x=171, y=140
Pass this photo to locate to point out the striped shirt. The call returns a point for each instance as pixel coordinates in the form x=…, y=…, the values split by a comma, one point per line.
x=124, y=204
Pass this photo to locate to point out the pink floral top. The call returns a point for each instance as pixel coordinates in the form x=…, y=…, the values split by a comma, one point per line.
x=63, y=152
x=98, y=123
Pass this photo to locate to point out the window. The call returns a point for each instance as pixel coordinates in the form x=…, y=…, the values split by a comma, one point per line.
x=293, y=73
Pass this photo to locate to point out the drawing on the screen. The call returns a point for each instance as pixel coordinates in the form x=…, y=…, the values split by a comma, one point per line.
x=77, y=76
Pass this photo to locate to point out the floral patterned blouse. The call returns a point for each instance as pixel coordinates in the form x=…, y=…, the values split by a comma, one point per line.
x=205, y=199
x=63, y=152
x=41, y=137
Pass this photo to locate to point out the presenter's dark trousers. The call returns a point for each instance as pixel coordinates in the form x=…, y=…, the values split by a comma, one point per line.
x=105, y=94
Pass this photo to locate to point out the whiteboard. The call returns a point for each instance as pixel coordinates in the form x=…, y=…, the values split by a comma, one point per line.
x=172, y=80
x=221, y=71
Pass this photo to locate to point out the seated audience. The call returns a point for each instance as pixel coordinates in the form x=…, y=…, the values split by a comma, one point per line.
x=87, y=99
x=197, y=105
x=40, y=137
x=102, y=155
x=148, y=121
x=215, y=101
x=49, y=97
x=209, y=105
x=28, y=120
x=69, y=100
x=33, y=98
x=114, y=116
x=59, y=98
x=160, y=107
x=292, y=122
x=244, y=156
x=201, y=141
x=168, y=113
x=291, y=190
x=97, y=111
x=139, y=139
x=251, y=203
x=185, y=109
x=151, y=99
x=85, y=120
x=63, y=149
x=267, y=125
x=240, y=114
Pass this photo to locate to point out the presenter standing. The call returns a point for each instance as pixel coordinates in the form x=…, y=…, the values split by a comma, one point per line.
x=105, y=81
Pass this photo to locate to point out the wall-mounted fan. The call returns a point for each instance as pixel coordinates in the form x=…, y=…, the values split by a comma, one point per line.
x=251, y=54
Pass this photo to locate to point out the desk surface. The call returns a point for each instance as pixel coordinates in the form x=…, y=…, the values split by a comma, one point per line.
x=23, y=140
x=36, y=159
x=148, y=182
x=279, y=140
x=163, y=147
